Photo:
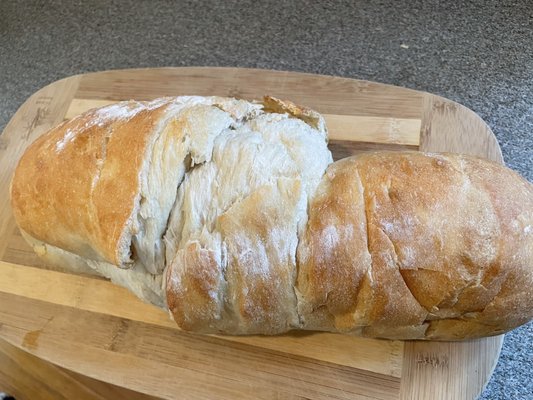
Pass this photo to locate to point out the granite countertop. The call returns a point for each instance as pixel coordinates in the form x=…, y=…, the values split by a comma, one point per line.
x=479, y=53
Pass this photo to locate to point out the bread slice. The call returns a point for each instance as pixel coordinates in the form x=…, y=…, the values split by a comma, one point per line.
x=102, y=185
x=233, y=233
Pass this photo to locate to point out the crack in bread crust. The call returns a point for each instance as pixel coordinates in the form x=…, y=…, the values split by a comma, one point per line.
x=366, y=214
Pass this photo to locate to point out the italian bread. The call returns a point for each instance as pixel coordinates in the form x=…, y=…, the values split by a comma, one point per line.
x=232, y=215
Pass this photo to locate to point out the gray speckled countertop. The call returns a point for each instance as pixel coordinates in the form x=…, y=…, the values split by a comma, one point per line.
x=479, y=53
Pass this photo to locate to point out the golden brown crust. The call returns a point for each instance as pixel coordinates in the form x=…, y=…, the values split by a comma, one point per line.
x=260, y=235
x=504, y=298
x=451, y=245
x=76, y=187
x=193, y=282
x=333, y=255
x=250, y=289
x=309, y=116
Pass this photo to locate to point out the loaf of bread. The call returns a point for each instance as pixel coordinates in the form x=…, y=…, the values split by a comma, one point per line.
x=232, y=215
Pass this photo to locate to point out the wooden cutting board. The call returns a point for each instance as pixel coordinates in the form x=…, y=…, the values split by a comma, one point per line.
x=99, y=330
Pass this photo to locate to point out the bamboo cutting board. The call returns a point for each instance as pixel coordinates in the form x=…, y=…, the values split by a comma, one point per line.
x=101, y=331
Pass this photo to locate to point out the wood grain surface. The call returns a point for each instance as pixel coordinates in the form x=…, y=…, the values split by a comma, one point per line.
x=27, y=377
x=84, y=331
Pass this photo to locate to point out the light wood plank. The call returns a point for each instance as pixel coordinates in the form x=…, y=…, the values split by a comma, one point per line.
x=85, y=293
x=373, y=129
x=451, y=127
x=168, y=363
x=461, y=368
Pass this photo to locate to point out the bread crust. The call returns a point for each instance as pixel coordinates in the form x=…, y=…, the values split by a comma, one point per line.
x=450, y=245
x=77, y=187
